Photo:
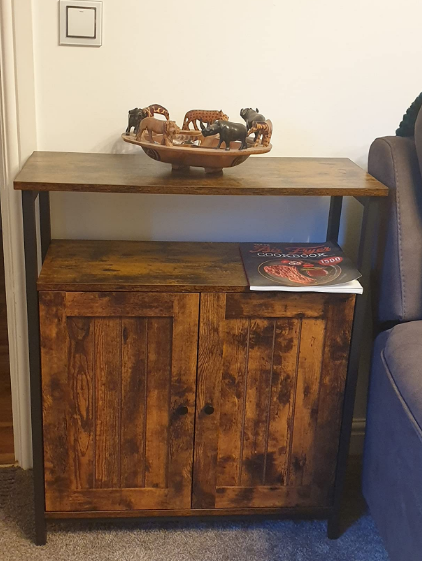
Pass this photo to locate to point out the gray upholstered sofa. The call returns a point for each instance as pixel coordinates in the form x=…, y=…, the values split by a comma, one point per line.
x=392, y=479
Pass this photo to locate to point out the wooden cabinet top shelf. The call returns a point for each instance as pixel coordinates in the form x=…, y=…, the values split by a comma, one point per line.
x=78, y=265
x=124, y=173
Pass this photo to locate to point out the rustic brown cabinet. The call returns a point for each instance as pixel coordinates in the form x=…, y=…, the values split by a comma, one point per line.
x=185, y=401
x=160, y=385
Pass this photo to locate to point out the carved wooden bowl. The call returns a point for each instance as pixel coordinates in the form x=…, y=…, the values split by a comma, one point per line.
x=182, y=156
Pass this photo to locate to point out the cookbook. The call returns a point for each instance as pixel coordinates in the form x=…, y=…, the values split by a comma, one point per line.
x=299, y=267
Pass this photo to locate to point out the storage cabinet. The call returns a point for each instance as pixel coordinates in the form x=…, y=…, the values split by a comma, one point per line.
x=127, y=375
x=132, y=413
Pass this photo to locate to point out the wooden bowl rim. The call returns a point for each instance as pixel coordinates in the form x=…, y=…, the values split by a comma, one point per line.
x=196, y=149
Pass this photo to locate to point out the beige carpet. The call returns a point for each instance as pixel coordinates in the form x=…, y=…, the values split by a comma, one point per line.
x=268, y=540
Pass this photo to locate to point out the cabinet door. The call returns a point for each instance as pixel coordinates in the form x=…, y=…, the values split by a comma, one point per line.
x=271, y=376
x=118, y=382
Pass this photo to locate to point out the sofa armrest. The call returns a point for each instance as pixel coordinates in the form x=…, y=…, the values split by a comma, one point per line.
x=394, y=162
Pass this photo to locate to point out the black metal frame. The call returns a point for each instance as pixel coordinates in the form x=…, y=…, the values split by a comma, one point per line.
x=366, y=249
x=334, y=217
x=366, y=245
x=31, y=275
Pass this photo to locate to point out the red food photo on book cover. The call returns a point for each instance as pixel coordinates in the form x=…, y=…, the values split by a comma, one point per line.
x=296, y=265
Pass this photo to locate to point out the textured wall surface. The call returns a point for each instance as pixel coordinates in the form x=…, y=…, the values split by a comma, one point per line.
x=331, y=75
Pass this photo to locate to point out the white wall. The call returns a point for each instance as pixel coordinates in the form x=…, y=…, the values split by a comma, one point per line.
x=331, y=76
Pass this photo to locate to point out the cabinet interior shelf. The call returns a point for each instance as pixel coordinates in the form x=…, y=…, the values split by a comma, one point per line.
x=81, y=265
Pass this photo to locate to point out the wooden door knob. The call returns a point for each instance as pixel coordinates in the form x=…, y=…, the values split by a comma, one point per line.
x=182, y=410
x=208, y=409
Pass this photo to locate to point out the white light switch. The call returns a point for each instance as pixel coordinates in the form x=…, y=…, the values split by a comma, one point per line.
x=80, y=23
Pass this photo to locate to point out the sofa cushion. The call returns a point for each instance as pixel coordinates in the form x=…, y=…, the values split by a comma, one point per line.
x=394, y=162
x=392, y=482
x=403, y=358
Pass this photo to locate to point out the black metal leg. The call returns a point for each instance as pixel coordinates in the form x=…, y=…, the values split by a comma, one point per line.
x=45, y=223
x=31, y=272
x=366, y=248
x=334, y=216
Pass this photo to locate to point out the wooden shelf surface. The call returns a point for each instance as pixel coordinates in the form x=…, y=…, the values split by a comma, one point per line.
x=124, y=173
x=75, y=265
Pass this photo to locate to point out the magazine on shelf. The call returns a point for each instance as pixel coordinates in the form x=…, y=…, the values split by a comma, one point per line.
x=299, y=267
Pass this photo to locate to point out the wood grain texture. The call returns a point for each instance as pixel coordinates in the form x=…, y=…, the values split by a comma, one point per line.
x=117, y=499
x=84, y=266
x=55, y=397
x=333, y=381
x=233, y=378
x=263, y=497
x=134, y=399
x=306, y=403
x=210, y=362
x=286, y=512
x=266, y=305
x=158, y=402
x=266, y=379
x=257, y=401
x=182, y=396
x=120, y=438
x=122, y=173
x=107, y=396
x=81, y=406
x=109, y=304
x=116, y=432
x=282, y=399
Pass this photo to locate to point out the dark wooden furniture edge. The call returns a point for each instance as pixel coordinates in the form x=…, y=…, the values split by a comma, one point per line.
x=197, y=190
x=140, y=288
x=138, y=174
x=317, y=512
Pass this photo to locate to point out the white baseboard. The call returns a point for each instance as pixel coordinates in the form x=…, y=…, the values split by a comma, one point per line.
x=357, y=437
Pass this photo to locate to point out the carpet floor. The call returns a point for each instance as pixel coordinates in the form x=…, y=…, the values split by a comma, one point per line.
x=181, y=540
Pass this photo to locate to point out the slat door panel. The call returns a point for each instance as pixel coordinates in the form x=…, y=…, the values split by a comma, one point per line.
x=81, y=377
x=269, y=383
x=208, y=388
x=107, y=401
x=257, y=401
x=134, y=401
x=306, y=404
x=114, y=388
x=282, y=399
x=235, y=354
x=158, y=391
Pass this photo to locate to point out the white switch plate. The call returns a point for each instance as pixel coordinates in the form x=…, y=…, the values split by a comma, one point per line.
x=81, y=23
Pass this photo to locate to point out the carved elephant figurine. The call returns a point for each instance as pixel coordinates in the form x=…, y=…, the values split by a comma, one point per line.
x=252, y=116
x=135, y=116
